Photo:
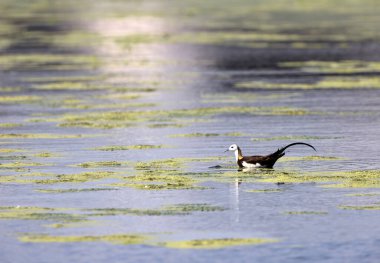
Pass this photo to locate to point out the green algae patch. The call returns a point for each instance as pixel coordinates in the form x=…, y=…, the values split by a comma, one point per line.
x=10, y=150
x=38, y=213
x=122, y=239
x=160, y=164
x=19, y=99
x=118, y=119
x=20, y=165
x=186, y=208
x=198, y=134
x=171, y=210
x=360, y=207
x=73, y=190
x=189, y=135
x=78, y=178
x=40, y=136
x=22, y=62
x=343, y=179
x=45, y=155
x=100, y=164
x=216, y=243
x=269, y=190
x=129, y=147
x=357, y=179
x=306, y=213
x=10, y=125
x=362, y=82
x=341, y=67
x=159, y=181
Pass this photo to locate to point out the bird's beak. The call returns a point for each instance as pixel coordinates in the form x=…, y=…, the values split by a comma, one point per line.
x=226, y=150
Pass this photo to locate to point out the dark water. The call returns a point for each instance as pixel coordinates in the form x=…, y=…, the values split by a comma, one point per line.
x=157, y=57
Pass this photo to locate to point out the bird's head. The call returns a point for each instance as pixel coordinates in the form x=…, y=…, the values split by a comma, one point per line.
x=232, y=148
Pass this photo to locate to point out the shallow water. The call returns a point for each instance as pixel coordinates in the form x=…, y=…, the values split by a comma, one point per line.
x=113, y=115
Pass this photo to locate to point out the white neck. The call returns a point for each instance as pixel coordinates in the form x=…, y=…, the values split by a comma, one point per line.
x=236, y=155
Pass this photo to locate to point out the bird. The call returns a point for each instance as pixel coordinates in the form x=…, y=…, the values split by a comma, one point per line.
x=258, y=161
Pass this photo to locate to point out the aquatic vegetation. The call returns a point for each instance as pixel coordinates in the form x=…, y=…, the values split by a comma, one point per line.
x=122, y=239
x=78, y=178
x=361, y=82
x=343, y=179
x=73, y=190
x=159, y=181
x=216, y=243
x=342, y=67
x=111, y=119
x=45, y=155
x=166, y=125
x=360, y=207
x=198, y=134
x=10, y=125
x=10, y=89
x=165, y=164
x=195, y=135
x=42, y=61
x=171, y=210
x=39, y=213
x=357, y=179
x=129, y=147
x=20, y=99
x=100, y=164
x=306, y=213
x=40, y=136
x=9, y=150
x=20, y=165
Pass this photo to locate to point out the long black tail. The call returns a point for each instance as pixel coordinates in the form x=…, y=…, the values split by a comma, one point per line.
x=280, y=152
x=272, y=158
x=296, y=143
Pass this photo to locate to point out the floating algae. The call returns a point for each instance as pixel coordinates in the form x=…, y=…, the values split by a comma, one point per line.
x=343, y=179
x=341, y=67
x=78, y=178
x=159, y=181
x=10, y=125
x=42, y=61
x=360, y=207
x=39, y=213
x=122, y=239
x=171, y=210
x=100, y=164
x=129, y=147
x=19, y=165
x=326, y=83
x=112, y=119
x=19, y=99
x=216, y=243
x=72, y=190
x=40, y=136
x=306, y=213
x=198, y=134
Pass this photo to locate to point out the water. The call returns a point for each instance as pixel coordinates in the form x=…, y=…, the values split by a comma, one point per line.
x=158, y=58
